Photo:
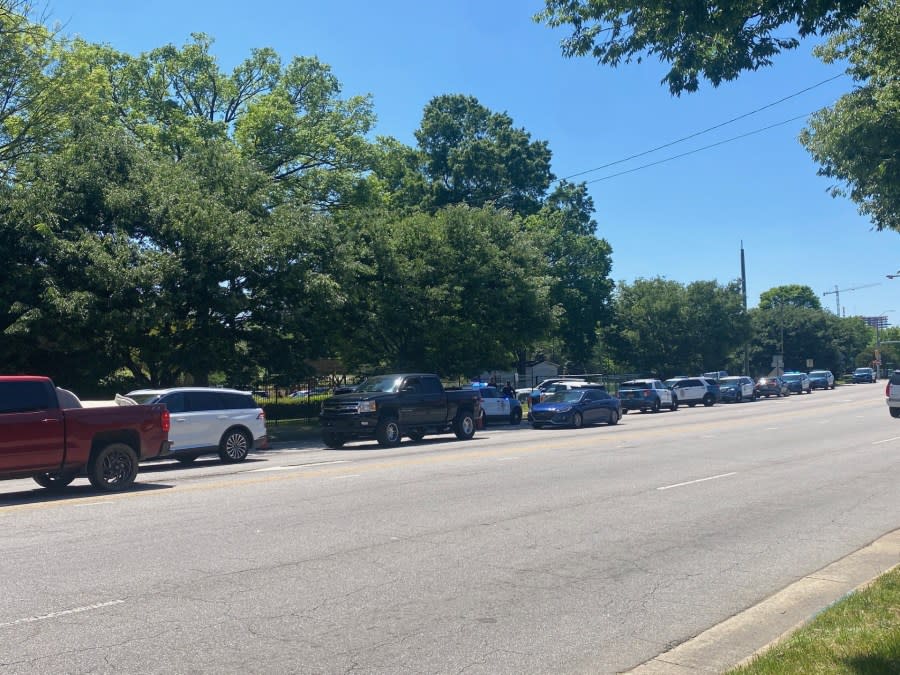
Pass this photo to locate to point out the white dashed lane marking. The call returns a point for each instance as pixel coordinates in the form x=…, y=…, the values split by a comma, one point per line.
x=699, y=480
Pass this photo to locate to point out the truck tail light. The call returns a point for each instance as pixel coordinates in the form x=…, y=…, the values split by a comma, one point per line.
x=165, y=420
x=887, y=389
x=261, y=415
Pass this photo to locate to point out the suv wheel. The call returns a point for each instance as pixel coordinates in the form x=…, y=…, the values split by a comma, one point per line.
x=234, y=446
x=708, y=400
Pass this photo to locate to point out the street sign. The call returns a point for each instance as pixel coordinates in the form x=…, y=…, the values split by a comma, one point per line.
x=777, y=361
x=809, y=363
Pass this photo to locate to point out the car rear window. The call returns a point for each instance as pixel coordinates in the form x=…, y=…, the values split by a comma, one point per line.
x=895, y=378
x=24, y=397
x=635, y=385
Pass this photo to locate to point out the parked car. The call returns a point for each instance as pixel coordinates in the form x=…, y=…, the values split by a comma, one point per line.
x=694, y=390
x=208, y=420
x=737, y=388
x=798, y=383
x=646, y=395
x=576, y=407
x=47, y=435
x=387, y=407
x=497, y=407
x=821, y=379
x=892, y=393
x=864, y=375
x=546, y=387
x=771, y=386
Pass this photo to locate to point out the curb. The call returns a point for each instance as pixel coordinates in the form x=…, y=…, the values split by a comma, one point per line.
x=737, y=640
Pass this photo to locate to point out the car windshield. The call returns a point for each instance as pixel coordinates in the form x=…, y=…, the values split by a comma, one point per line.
x=862, y=371
x=635, y=385
x=818, y=373
x=671, y=382
x=570, y=396
x=385, y=383
x=732, y=381
x=793, y=378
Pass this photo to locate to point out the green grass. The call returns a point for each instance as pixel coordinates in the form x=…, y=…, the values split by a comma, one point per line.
x=860, y=635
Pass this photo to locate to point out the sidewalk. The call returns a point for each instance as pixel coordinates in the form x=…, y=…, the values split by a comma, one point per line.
x=741, y=637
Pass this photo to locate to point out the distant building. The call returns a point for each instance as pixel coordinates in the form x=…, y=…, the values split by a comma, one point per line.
x=875, y=321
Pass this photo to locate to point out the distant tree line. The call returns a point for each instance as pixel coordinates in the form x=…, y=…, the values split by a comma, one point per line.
x=164, y=221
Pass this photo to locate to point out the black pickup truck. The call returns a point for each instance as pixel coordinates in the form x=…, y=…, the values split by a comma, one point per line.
x=388, y=407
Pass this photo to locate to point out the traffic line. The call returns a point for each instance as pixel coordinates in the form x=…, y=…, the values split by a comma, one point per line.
x=291, y=467
x=699, y=480
x=887, y=440
x=64, y=612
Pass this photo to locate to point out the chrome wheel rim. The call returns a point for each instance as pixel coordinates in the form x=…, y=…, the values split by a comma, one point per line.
x=236, y=446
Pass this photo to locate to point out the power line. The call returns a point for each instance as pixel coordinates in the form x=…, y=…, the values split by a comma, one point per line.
x=696, y=150
x=704, y=131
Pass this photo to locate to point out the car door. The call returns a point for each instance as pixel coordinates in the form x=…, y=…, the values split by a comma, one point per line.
x=208, y=418
x=664, y=393
x=602, y=408
x=494, y=405
x=686, y=391
x=32, y=427
x=191, y=425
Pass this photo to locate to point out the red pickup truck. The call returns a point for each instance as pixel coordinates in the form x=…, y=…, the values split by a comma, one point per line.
x=46, y=439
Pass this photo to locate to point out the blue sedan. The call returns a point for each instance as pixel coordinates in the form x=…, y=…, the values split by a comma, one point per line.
x=575, y=408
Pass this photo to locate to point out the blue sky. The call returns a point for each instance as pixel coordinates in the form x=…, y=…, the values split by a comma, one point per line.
x=682, y=220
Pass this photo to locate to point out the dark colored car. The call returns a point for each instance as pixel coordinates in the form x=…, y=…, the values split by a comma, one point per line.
x=771, y=386
x=798, y=383
x=863, y=375
x=577, y=407
x=821, y=379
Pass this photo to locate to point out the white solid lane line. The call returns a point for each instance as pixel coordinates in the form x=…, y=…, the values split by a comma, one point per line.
x=699, y=480
x=887, y=440
x=65, y=612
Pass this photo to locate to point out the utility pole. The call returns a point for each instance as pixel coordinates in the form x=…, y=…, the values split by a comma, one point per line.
x=744, y=296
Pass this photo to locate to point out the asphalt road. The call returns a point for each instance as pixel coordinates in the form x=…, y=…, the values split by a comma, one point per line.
x=520, y=551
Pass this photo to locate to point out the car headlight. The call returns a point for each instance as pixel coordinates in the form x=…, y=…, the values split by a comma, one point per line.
x=366, y=407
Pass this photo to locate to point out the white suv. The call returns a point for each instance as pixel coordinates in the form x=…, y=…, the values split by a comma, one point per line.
x=892, y=393
x=207, y=420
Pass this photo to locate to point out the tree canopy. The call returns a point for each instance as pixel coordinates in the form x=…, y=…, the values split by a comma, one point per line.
x=712, y=40
x=857, y=141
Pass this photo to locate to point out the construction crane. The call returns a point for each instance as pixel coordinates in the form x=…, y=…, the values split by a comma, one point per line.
x=837, y=294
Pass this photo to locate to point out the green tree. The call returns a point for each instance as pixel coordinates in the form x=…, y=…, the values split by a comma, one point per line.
x=469, y=155
x=794, y=295
x=26, y=83
x=163, y=268
x=291, y=120
x=857, y=141
x=578, y=265
x=666, y=328
x=713, y=40
x=452, y=292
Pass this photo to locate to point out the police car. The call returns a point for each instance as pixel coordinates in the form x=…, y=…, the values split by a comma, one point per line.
x=496, y=407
